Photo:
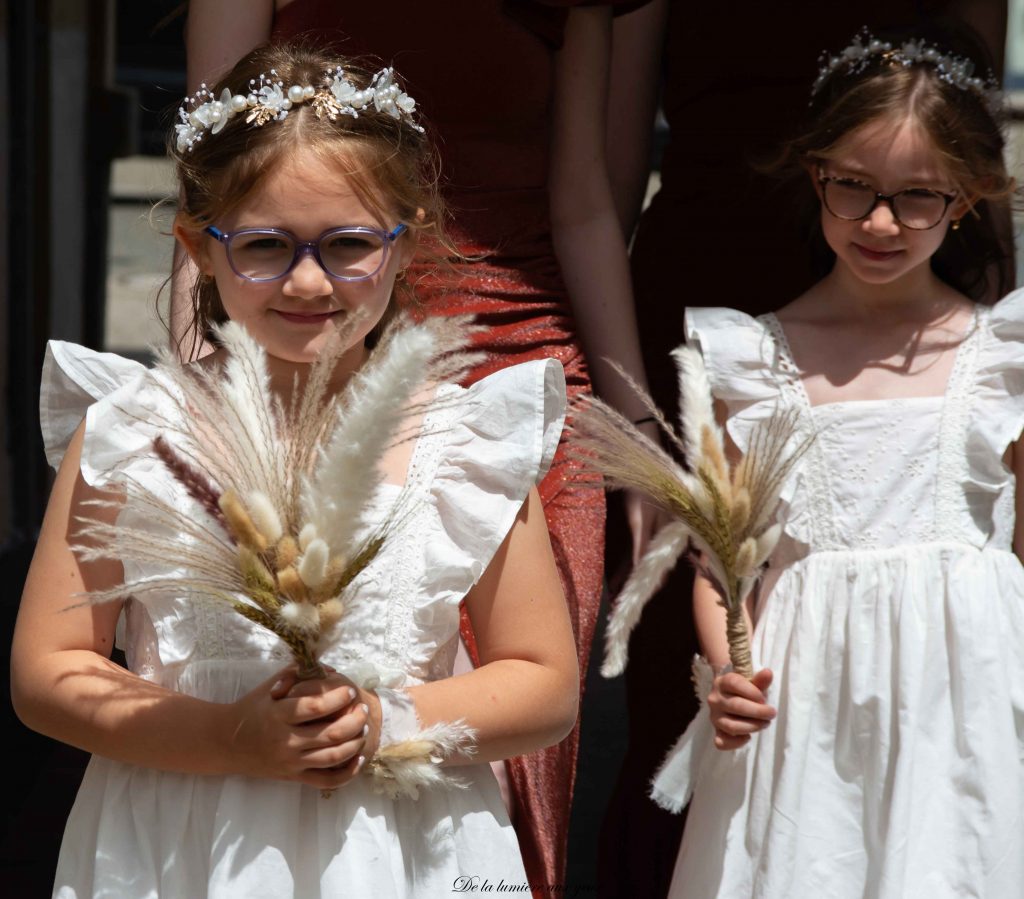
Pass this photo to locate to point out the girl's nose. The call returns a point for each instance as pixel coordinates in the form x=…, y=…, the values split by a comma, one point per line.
x=307, y=279
x=882, y=221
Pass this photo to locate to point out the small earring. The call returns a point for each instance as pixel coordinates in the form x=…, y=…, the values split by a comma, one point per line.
x=955, y=225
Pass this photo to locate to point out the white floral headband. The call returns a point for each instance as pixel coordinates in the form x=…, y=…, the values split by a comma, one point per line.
x=955, y=70
x=268, y=100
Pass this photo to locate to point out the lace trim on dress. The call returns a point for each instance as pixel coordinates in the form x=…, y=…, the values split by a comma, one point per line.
x=953, y=469
x=426, y=456
x=813, y=468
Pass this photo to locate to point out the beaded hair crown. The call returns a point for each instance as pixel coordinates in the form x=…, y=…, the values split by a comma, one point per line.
x=268, y=100
x=955, y=70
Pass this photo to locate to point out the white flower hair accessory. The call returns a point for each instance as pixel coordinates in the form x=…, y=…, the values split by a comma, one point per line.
x=267, y=100
x=955, y=70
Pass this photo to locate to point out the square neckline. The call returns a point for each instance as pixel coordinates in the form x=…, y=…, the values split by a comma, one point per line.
x=788, y=363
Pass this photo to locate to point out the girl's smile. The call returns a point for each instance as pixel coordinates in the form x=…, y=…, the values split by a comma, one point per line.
x=307, y=318
x=877, y=255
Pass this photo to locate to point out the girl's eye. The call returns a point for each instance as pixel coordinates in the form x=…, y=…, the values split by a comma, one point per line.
x=853, y=185
x=921, y=193
x=348, y=242
x=261, y=243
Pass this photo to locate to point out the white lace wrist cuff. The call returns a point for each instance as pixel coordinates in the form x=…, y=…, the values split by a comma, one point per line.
x=409, y=758
x=398, y=719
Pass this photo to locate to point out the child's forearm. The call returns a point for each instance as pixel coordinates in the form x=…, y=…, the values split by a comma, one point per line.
x=514, y=705
x=312, y=732
x=80, y=698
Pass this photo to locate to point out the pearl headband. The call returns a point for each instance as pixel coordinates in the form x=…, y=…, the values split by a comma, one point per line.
x=955, y=70
x=267, y=100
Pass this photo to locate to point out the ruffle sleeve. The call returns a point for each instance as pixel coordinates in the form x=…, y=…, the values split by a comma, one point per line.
x=997, y=405
x=741, y=361
x=501, y=443
x=747, y=371
x=81, y=383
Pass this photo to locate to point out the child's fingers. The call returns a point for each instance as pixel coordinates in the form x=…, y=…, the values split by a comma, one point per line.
x=287, y=679
x=331, y=778
x=763, y=680
x=736, y=707
x=352, y=724
x=736, y=727
x=733, y=684
x=284, y=683
x=334, y=756
x=323, y=702
x=727, y=742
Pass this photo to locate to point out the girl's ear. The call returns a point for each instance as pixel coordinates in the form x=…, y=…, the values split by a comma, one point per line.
x=195, y=245
x=813, y=169
x=961, y=206
x=409, y=242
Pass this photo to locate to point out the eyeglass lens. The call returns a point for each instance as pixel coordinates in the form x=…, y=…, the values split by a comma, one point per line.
x=915, y=208
x=346, y=253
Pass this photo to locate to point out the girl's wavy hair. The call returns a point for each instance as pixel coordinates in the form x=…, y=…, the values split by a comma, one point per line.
x=967, y=137
x=393, y=168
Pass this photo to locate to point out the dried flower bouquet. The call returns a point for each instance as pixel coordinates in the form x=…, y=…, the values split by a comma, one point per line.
x=287, y=490
x=721, y=511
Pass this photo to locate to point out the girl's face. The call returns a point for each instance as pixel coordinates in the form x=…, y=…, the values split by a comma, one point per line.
x=294, y=316
x=878, y=249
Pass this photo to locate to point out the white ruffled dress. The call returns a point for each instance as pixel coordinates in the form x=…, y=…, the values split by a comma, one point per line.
x=892, y=616
x=138, y=833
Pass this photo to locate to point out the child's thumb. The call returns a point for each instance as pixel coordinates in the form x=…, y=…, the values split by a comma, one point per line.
x=763, y=679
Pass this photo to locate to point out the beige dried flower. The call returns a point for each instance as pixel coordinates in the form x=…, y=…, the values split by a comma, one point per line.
x=722, y=512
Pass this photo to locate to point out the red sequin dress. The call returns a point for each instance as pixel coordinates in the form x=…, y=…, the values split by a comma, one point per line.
x=481, y=71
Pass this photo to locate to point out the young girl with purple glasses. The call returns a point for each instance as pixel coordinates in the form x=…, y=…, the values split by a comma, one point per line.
x=878, y=750
x=307, y=189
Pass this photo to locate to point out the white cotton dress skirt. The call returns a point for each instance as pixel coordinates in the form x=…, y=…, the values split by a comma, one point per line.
x=895, y=767
x=138, y=833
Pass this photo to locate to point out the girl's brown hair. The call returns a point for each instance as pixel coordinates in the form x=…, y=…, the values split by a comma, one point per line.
x=392, y=167
x=965, y=132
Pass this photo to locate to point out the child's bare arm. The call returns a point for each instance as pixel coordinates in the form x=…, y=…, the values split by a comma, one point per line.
x=525, y=694
x=64, y=685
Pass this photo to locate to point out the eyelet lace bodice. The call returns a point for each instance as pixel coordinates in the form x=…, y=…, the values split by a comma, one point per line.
x=879, y=473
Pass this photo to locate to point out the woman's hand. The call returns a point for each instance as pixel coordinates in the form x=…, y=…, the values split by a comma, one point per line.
x=312, y=731
x=739, y=708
